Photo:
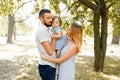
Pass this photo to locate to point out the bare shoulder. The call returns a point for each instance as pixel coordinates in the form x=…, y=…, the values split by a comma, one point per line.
x=73, y=49
x=73, y=46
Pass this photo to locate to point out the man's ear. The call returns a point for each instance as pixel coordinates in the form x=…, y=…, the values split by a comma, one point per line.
x=41, y=18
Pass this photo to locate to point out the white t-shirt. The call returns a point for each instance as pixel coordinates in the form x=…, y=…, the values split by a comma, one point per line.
x=43, y=34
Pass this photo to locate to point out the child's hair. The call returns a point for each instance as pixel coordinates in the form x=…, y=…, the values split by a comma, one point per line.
x=60, y=21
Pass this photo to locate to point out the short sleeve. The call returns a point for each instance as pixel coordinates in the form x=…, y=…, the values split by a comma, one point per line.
x=58, y=29
x=42, y=36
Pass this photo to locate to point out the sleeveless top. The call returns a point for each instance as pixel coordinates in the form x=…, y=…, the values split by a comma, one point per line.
x=67, y=68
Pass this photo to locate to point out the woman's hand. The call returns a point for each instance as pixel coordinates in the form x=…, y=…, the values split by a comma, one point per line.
x=43, y=56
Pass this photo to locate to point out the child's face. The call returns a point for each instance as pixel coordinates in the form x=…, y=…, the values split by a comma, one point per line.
x=56, y=23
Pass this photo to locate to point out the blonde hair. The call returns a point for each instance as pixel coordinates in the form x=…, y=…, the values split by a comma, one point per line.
x=76, y=35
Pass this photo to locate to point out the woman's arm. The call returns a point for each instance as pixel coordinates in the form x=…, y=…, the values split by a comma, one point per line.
x=68, y=54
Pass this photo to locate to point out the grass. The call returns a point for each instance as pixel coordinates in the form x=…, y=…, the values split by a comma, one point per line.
x=84, y=69
x=24, y=66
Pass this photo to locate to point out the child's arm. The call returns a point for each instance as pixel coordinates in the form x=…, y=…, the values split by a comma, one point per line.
x=57, y=35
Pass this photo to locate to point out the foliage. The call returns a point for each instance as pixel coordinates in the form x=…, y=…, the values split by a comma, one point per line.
x=6, y=7
x=9, y=6
x=115, y=17
x=80, y=13
x=74, y=12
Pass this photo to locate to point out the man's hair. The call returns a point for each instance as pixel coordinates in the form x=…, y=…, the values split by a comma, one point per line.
x=43, y=11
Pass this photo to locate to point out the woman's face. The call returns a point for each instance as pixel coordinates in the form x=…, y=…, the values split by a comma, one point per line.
x=68, y=32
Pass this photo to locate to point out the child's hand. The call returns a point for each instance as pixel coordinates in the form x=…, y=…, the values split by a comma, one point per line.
x=53, y=37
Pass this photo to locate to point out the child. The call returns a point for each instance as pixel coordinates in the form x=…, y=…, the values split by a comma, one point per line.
x=57, y=33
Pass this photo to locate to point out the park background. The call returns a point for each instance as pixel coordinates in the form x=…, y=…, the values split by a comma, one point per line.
x=19, y=20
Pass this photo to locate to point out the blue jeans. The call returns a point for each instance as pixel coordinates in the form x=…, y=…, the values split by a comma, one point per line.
x=46, y=72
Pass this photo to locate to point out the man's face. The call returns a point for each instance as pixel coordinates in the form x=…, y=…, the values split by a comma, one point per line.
x=47, y=19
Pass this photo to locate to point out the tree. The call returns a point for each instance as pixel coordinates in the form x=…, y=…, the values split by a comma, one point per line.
x=115, y=19
x=9, y=8
x=100, y=10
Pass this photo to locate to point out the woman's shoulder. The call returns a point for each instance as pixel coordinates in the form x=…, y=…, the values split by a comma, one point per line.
x=73, y=45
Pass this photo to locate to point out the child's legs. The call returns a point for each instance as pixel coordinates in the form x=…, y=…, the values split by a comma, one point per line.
x=57, y=65
x=57, y=53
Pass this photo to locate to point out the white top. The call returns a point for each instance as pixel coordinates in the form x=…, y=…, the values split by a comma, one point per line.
x=43, y=34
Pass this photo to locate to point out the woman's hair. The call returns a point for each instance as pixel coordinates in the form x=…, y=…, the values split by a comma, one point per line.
x=59, y=19
x=76, y=31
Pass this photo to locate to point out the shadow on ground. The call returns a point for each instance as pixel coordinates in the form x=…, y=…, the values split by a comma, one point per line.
x=23, y=64
x=19, y=68
x=85, y=64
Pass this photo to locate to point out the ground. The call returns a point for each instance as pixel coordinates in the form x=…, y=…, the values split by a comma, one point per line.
x=18, y=61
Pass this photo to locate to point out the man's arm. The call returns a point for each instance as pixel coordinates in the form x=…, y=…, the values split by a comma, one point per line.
x=49, y=48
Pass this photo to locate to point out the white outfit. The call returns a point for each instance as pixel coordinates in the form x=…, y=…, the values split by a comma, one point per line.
x=67, y=68
x=43, y=34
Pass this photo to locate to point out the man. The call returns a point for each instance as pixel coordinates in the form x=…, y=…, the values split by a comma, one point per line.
x=45, y=45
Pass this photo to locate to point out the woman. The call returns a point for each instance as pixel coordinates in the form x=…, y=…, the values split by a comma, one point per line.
x=67, y=57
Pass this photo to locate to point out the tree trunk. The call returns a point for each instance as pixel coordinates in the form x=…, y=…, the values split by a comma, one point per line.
x=11, y=22
x=100, y=41
x=104, y=21
x=14, y=33
x=115, y=38
x=96, y=39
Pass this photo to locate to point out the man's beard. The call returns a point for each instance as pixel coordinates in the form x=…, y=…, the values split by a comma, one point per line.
x=47, y=25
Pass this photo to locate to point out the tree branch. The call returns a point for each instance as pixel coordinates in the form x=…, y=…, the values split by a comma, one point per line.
x=23, y=4
x=106, y=1
x=22, y=19
x=101, y=2
x=72, y=5
x=88, y=4
x=110, y=5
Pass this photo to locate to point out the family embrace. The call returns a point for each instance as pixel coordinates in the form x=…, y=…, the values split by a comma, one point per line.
x=57, y=51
